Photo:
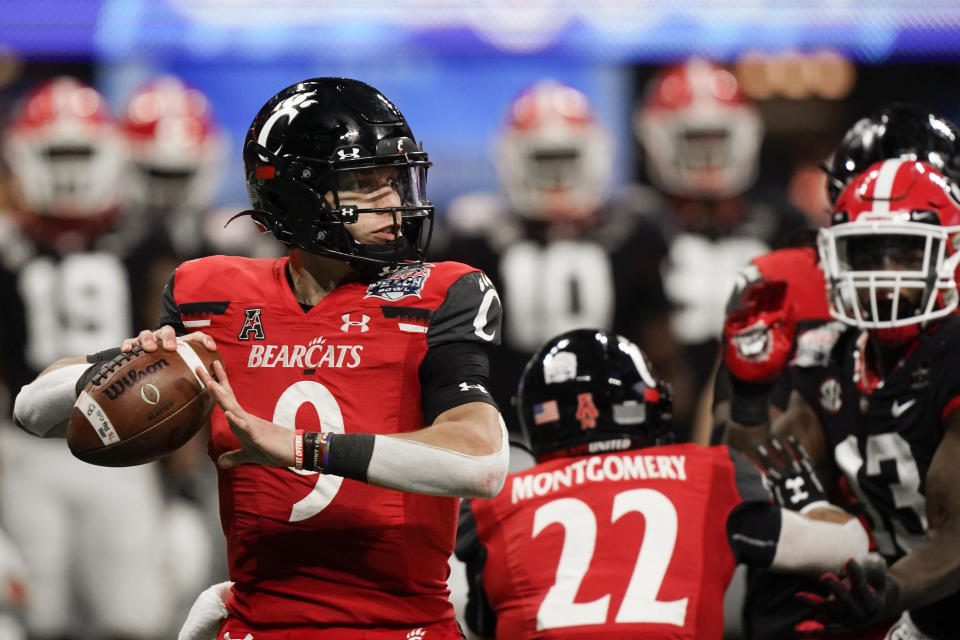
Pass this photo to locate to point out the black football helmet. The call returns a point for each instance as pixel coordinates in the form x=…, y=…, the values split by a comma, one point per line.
x=897, y=130
x=589, y=391
x=319, y=138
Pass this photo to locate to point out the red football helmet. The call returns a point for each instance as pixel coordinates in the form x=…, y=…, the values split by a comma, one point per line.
x=554, y=157
x=700, y=135
x=891, y=254
x=64, y=153
x=177, y=147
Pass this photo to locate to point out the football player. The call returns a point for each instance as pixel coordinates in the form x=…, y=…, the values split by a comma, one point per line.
x=356, y=410
x=562, y=249
x=700, y=138
x=617, y=532
x=787, y=286
x=893, y=131
x=873, y=395
x=67, y=288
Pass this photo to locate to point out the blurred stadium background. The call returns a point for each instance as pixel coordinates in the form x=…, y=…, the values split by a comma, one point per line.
x=453, y=65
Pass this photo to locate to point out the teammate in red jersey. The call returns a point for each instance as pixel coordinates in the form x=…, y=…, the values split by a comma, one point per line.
x=616, y=533
x=358, y=376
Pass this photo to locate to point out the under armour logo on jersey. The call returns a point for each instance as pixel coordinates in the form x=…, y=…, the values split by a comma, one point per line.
x=795, y=485
x=352, y=152
x=417, y=634
x=348, y=323
x=586, y=411
x=251, y=324
x=466, y=387
x=227, y=636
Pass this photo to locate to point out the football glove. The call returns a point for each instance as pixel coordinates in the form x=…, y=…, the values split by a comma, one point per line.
x=790, y=473
x=865, y=598
x=758, y=332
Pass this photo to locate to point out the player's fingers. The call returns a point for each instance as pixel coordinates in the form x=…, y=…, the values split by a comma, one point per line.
x=221, y=372
x=222, y=393
x=203, y=338
x=147, y=340
x=232, y=459
x=166, y=337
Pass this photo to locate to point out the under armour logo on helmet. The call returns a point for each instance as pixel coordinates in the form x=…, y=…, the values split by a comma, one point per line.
x=348, y=323
x=353, y=153
x=227, y=636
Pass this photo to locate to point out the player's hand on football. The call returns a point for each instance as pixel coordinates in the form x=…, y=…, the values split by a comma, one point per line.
x=261, y=441
x=790, y=473
x=166, y=338
x=864, y=597
x=758, y=331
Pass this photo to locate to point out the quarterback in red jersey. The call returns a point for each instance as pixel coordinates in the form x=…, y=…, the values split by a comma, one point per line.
x=356, y=411
x=616, y=533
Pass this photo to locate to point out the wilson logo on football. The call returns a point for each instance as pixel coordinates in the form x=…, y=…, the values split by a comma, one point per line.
x=119, y=387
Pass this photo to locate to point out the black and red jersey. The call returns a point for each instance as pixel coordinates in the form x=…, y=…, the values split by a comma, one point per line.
x=315, y=551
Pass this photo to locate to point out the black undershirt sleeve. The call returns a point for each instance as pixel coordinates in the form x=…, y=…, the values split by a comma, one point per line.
x=753, y=527
x=452, y=374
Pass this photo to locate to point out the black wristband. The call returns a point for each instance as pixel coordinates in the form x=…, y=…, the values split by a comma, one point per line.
x=348, y=455
x=750, y=402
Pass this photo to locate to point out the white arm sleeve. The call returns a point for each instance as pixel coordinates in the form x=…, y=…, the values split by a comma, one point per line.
x=207, y=613
x=815, y=546
x=406, y=465
x=43, y=407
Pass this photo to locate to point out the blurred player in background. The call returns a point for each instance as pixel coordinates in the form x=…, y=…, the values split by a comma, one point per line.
x=563, y=253
x=701, y=145
x=178, y=153
x=873, y=396
x=93, y=539
x=617, y=532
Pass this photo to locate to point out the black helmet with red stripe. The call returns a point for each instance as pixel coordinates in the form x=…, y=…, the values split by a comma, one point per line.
x=891, y=253
x=320, y=138
x=589, y=391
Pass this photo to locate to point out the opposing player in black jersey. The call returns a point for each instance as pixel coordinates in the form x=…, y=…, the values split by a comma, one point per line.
x=67, y=283
x=875, y=394
x=562, y=250
x=701, y=138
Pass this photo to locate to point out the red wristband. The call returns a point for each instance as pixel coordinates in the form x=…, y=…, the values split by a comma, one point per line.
x=298, y=449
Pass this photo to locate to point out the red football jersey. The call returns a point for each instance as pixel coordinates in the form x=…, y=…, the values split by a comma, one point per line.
x=621, y=545
x=314, y=550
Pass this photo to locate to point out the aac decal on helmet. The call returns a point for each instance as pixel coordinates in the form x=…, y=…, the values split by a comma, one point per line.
x=701, y=137
x=891, y=254
x=589, y=391
x=895, y=131
x=553, y=155
x=319, y=138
